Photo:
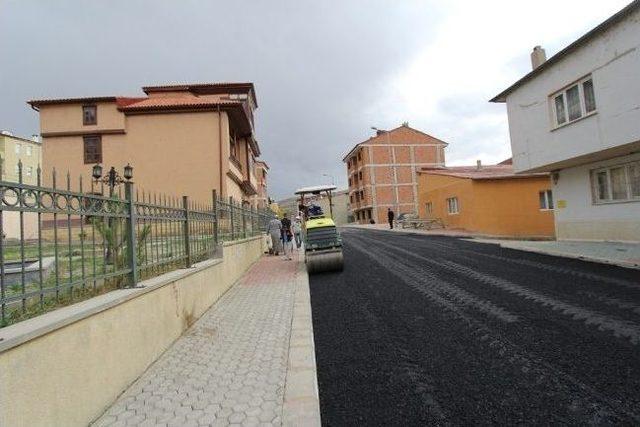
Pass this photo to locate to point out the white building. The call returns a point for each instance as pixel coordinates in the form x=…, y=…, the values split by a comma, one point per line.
x=577, y=115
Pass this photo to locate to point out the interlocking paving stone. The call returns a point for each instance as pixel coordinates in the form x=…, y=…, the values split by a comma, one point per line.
x=229, y=368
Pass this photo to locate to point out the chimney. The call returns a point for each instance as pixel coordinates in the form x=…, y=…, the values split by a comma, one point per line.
x=478, y=164
x=538, y=57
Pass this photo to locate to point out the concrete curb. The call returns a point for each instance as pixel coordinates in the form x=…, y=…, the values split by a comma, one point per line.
x=301, y=399
x=618, y=263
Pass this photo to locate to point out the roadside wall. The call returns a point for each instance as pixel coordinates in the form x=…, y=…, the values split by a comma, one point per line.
x=66, y=367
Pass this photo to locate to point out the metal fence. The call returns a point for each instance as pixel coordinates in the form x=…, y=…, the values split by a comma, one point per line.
x=59, y=245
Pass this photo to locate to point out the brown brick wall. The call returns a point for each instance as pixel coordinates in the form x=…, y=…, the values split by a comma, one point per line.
x=400, y=140
x=404, y=174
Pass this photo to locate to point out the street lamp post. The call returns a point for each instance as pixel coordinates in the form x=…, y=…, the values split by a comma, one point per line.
x=112, y=179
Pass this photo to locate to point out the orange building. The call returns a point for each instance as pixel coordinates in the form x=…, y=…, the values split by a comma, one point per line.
x=181, y=139
x=382, y=171
x=489, y=200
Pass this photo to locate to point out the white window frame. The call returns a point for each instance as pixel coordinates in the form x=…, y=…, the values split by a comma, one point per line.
x=17, y=148
x=453, y=207
x=583, y=107
x=547, y=206
x=27, y=150
x=595, y=189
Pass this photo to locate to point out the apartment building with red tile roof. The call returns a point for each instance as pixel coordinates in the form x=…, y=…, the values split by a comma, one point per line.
x=185, y=139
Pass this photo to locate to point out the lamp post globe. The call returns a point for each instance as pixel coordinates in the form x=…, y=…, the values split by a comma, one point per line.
x=96, y=171
x=128, y=172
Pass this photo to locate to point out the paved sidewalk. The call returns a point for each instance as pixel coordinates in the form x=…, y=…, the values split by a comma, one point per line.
x=231, y=367
x=621, y=254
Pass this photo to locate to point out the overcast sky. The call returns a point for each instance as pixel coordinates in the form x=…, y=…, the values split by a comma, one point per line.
x=325, y=71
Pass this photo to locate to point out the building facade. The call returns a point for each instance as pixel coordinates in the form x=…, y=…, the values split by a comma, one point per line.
x=261, y=199
x=339, y=204
x=180, y=139
x=382, y=172
x=489, y=200
x=15, y=150
x=577, y=116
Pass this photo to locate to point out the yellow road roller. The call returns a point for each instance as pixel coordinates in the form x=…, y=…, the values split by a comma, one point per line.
x=322, y=241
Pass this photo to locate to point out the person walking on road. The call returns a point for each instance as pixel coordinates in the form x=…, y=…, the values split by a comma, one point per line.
x=287, y=237
x=390, y=216
x=274, y=230
x=297, y=231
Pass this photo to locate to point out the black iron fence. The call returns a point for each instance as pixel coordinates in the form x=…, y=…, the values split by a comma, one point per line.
x=59, y=245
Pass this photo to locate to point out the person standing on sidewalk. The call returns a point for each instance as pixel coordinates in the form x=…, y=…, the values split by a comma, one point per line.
x=274, y=229
x=390, y=216
x=297, y=231
x=287, y=237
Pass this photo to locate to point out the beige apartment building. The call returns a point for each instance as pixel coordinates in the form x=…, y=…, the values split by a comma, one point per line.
x=180, y=139
x=382, y=171
x=261, y=199
x=15, y=149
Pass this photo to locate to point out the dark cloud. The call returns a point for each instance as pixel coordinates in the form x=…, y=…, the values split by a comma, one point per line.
x=317, y=66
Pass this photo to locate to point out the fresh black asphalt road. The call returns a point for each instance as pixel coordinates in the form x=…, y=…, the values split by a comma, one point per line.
x=423, y=330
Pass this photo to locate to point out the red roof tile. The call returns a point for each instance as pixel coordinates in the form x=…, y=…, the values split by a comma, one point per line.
x=122, y=101
x=186, y=101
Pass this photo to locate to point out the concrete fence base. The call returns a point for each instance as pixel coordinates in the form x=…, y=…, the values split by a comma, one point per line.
x=66, y=367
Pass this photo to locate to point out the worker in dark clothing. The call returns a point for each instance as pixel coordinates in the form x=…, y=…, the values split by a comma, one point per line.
x=390, y=216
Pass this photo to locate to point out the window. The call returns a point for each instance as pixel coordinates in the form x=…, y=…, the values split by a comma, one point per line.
x=29, y=170
x=589, y=97
x=351, y=198
x=618, y=179
x=92, y=149
x=28, y=150
x=561, y=116
x=616, y=183
x=17, y=148
x=360, y=176
x=429, y=208
x=634, y=179
x=546, y=200
x=577, y=101
x=359, y=156
x=349, y=182
x=573, y=103
x=16, y=170
x=452, y=206
x=89, y=115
